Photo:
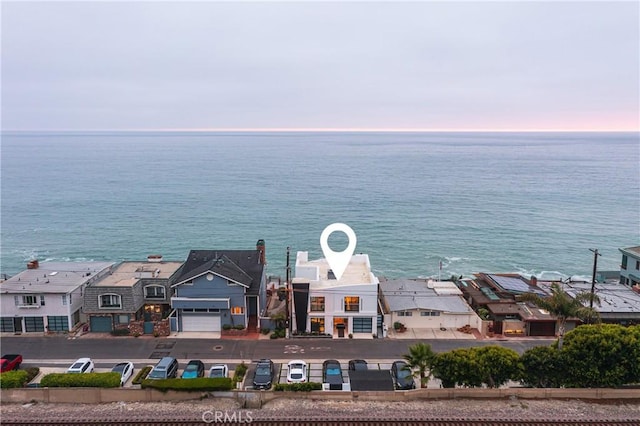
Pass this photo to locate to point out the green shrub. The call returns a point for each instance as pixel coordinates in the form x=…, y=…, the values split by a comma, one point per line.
x=82, y=380
x=238, y=374
x=120, y=332
x=190, y=385
x=297, y=387
x=142, y=374
x=13, y=379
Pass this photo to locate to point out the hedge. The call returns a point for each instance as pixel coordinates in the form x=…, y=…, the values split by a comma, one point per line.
x=240, y=371
x=81, y=380
x=13, y=379
x=18, y=378
x=297, y=387
x=142, y=374
x=190, y=385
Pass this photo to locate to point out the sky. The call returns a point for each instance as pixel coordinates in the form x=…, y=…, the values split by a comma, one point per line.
x=515, y=65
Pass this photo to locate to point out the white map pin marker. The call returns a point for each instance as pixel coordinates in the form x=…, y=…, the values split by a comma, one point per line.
x=338, y=260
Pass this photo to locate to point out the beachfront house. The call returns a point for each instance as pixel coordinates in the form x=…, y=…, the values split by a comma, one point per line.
x=214, y=288
x=47, y=296
x=497, y=294
x=323, y=304
x=630, y=266
x=420, y=303
x=134, y=296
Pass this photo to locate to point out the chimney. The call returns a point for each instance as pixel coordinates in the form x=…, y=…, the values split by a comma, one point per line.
x=261, y=248
x=33, y=264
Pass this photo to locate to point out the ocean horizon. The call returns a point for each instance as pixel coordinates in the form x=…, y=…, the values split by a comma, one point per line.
x=525, y=202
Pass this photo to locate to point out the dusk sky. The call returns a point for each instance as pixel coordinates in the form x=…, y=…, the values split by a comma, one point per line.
x=327, y=65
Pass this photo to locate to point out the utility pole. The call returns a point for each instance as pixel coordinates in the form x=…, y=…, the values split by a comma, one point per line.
x=288, y=294
x=593, y=278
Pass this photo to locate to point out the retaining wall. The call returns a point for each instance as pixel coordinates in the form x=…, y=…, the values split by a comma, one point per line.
x=255, y=399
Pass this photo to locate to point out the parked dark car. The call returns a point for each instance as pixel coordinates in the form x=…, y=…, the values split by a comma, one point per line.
x=194, y=369
x=358, y=365
x=332, y=374
x=263, y=376
x=402, y=376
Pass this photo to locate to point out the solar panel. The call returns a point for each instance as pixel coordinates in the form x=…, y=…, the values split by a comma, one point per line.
x=516, y=285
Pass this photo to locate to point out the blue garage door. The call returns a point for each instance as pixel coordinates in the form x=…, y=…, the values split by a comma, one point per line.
x=101, y=324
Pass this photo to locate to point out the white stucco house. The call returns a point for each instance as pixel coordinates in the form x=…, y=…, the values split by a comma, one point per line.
x=323, y=304
x=47, y=296
x=426, y=304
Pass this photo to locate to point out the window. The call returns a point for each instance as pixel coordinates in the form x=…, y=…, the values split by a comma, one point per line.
x=317, y=325
x=29, y=300
x=154, y=292
x=430, y=313
x=624, y=262
x=362, y=325
x=317, y=304
x=352, y=304
x=64, y=300
x=58, y=323
x=405, y=313
x=110, y=301
x=237, y=310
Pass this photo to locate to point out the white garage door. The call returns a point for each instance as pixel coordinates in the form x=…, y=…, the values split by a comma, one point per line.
x=200, y=322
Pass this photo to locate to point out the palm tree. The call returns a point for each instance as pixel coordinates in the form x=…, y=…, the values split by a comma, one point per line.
x=563, y=307
x=420, y=358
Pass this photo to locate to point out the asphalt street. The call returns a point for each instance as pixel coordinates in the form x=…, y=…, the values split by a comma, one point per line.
x=42, y=351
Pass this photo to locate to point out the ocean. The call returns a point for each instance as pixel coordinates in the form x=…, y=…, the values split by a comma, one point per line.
x=533, y=203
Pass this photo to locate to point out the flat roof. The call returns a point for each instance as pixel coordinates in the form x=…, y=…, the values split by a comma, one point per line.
x=407, y=294
x=127, y=273
x=54, y=277
x=614, y=297
x=357, y=272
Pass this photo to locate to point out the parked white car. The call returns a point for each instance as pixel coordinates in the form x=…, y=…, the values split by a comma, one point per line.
x=219, y=370
x=297, y=371
x=125, y=369
x=82, y=365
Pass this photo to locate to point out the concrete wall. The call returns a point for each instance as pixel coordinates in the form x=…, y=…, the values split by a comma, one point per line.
x=255, y=399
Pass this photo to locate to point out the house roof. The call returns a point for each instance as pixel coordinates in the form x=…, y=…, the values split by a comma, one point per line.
x=54, y=277
x=126, y=274
x=632, y=251
x=408, y=294
x=240, y=266
x=614, y=297
x=526, y=311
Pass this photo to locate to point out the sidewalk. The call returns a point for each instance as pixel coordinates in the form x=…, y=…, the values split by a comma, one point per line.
x=429, y=333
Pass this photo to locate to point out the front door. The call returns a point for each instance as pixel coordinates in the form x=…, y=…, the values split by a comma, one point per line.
x=17, y=325
x=340, y=325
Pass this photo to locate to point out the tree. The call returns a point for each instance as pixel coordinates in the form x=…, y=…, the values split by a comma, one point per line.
x=542, y=367
x=563, y=307
x=498, y=365
x=420, y=359
x=457, y=367
x=602, y=355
